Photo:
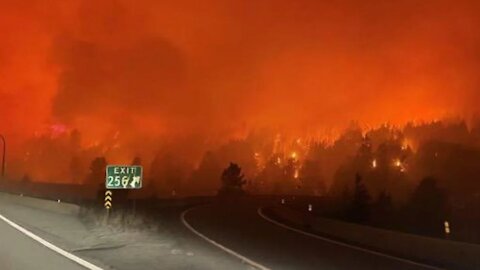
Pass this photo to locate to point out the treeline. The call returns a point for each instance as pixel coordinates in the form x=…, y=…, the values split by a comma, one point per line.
x=387, y=157
x=392, y=163
x=425, y=211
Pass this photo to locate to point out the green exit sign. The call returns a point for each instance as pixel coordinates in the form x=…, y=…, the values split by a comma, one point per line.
x=124, y=177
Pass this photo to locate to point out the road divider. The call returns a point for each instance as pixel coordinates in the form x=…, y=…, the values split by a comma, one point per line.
x=445, y=253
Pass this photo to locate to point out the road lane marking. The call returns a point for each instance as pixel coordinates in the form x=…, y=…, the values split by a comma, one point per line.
x=49, y=245
x=229, y=251
x=260, y=212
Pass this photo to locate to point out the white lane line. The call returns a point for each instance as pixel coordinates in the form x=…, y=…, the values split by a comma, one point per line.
x=260, y=212
x=229, y=251
x=49, y=245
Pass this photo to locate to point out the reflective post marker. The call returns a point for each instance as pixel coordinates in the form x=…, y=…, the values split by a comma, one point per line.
x=447, y=228
x=108, y=199
x=108, y=204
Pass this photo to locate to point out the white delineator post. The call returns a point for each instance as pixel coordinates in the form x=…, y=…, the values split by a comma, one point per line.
x=446, y=224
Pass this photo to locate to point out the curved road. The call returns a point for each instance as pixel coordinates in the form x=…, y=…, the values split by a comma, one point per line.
x=243, y=230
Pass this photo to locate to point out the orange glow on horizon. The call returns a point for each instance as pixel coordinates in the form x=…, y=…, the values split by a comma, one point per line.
x=132, y=79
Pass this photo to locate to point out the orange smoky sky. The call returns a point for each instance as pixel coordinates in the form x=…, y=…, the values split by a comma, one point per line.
x=220, y=68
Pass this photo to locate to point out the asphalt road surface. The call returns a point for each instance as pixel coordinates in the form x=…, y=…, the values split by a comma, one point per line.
x=20, y=252
x=157, y=242
x=216, y=236
x=243, y=230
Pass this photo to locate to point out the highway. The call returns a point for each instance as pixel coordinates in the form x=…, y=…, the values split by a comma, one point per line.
x=34, y=238
x=19, y=251
x=241, y=229
x=218, y=235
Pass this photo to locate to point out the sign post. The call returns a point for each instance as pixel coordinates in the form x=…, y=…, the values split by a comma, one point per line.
x=123, y=177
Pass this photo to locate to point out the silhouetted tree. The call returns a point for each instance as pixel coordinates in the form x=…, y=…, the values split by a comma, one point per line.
x=359, y=210
x=270, y=175
x=96, y=175
x=205, y=178
x=340, y=204
x=312, y=179
x=448, y=163
x=383, y=168
x=359, y=163
x=383, y=210
x=232, y=181
x=428, y=208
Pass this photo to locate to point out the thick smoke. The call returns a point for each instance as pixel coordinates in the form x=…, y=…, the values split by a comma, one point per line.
x=194, y=75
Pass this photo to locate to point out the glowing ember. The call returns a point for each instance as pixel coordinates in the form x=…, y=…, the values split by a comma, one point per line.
x=279, y=161
x=397, y=163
